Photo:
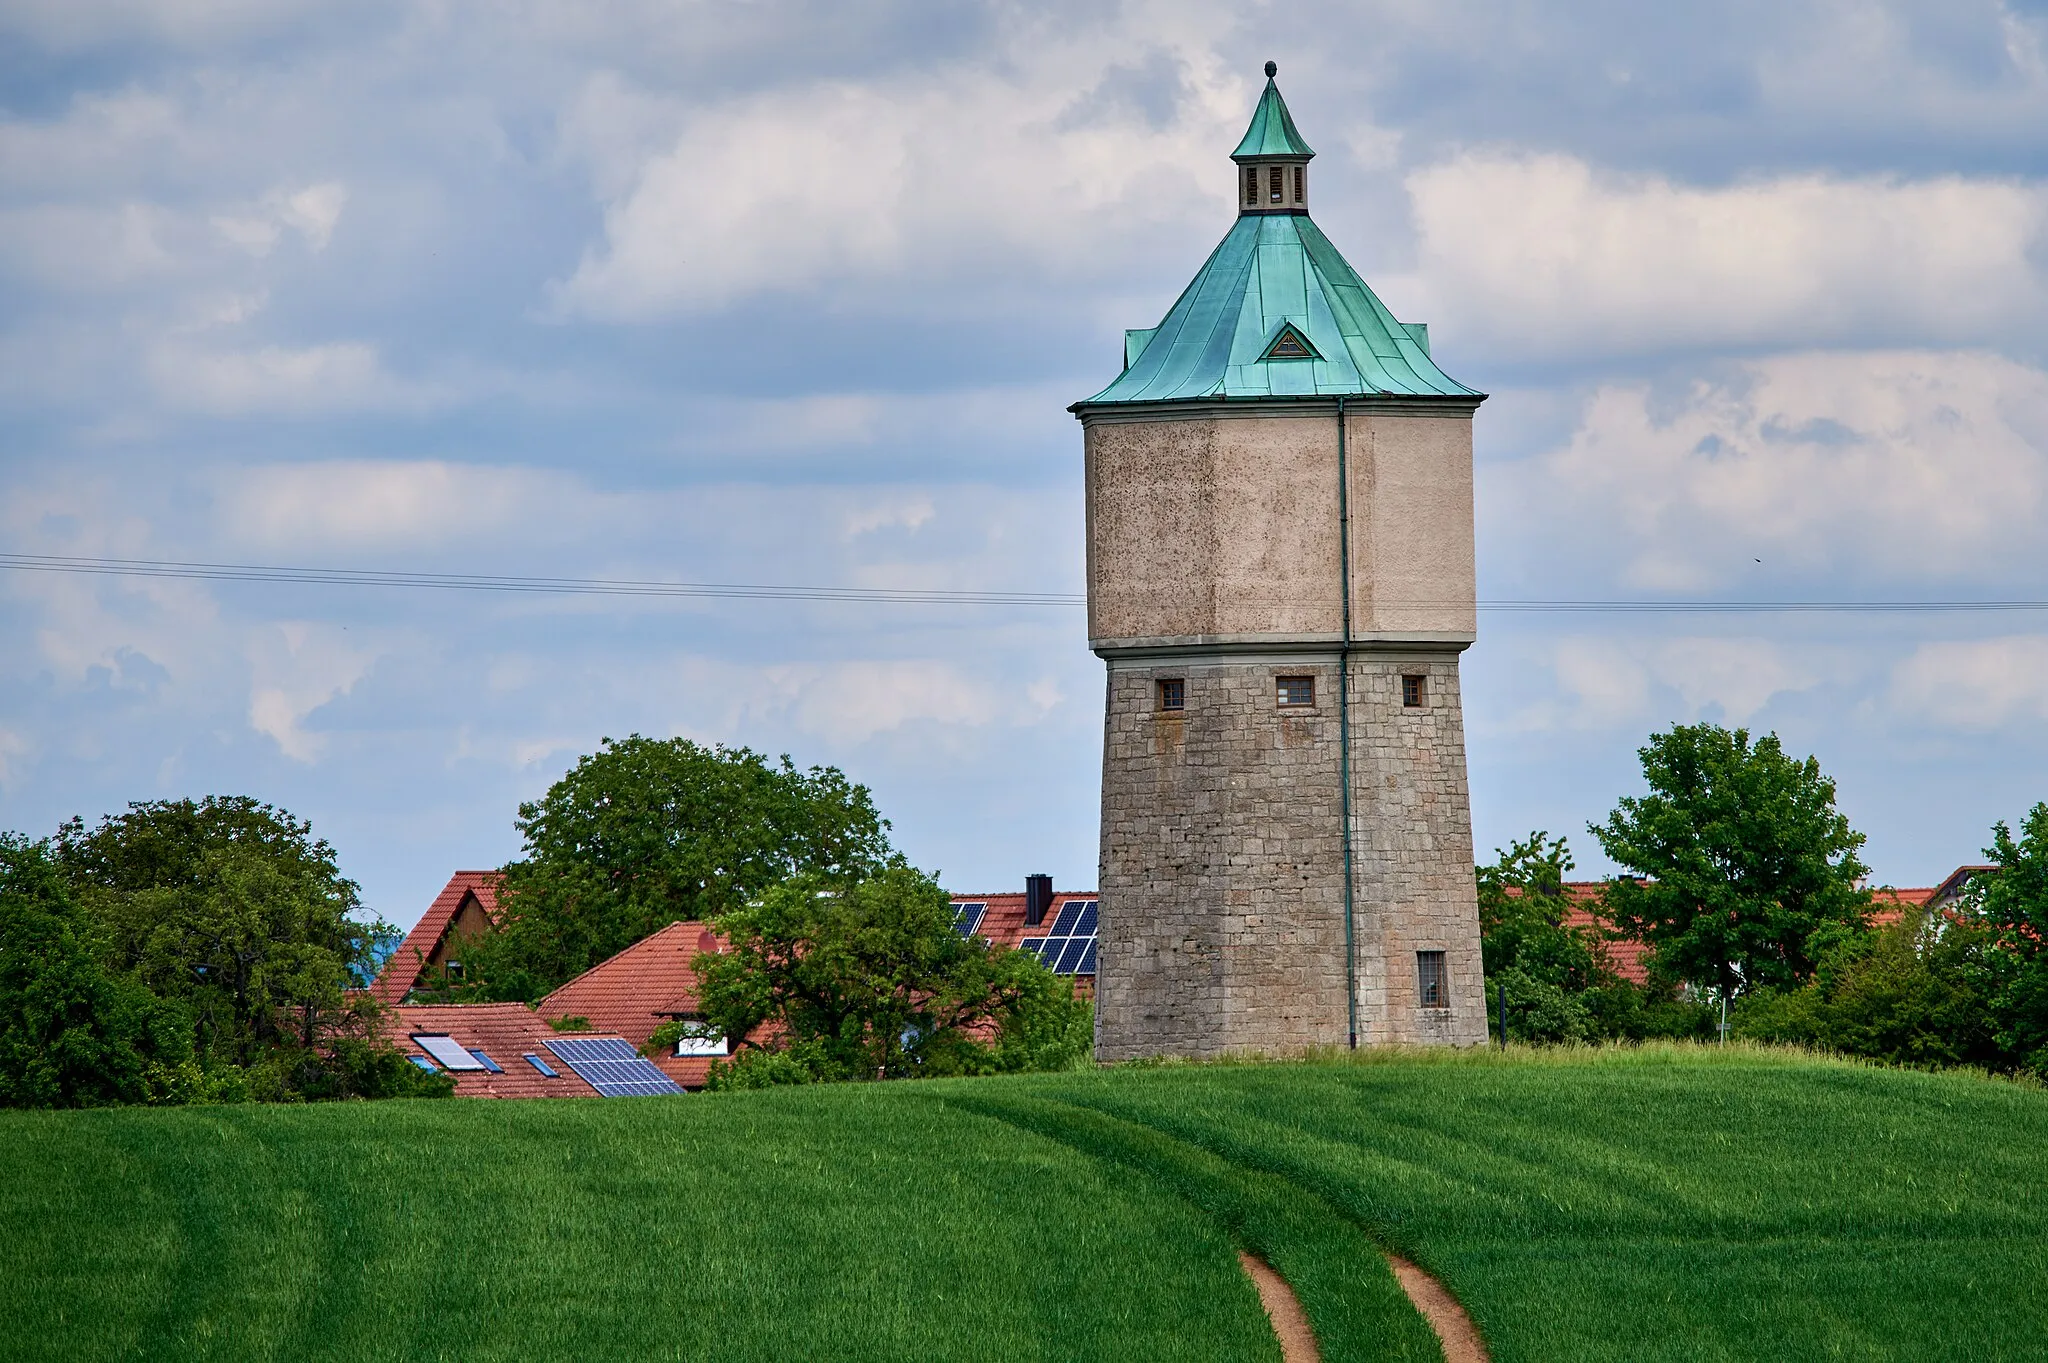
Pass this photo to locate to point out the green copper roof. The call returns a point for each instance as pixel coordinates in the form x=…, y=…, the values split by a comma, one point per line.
x=1272, y=131
x=1275, y=271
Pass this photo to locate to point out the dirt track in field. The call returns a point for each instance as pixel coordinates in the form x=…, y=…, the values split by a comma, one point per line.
x=1298, y=1342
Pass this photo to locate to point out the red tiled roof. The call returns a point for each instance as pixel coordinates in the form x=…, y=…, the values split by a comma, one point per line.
x=505, y=1032
x=639, y=989
x=403, y=970
x=1004, y=924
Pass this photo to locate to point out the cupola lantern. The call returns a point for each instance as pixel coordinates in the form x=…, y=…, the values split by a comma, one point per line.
x=1272, y=160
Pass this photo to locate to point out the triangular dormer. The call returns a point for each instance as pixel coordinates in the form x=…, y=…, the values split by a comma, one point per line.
x=1289, y=344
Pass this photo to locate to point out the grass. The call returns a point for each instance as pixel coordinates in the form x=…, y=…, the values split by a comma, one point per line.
x=1661, y=1204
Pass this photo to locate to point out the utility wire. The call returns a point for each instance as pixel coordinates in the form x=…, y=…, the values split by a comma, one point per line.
x=593, y=586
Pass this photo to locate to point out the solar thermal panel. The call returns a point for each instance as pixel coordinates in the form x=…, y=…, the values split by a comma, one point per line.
x=1070, y=914
x=612, y=1067
x=448, y=1051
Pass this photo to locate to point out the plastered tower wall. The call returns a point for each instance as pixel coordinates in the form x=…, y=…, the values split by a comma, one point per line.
x=1214, y=559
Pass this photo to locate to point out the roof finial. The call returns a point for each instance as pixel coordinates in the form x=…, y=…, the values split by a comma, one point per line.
x=1272, y=70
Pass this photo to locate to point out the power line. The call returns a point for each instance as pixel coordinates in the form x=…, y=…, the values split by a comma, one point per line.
x=593, y=586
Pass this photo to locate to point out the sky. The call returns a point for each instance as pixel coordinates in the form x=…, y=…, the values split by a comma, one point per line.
x=797, y=292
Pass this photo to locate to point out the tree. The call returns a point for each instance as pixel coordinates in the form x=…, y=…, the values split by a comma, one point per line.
x=1911, y=993
x=1741, y=864
x=234, y=913
x=870, y=980
x=71, y=1034
x=2011, y=903
x=1544, y=966
x=644, y=833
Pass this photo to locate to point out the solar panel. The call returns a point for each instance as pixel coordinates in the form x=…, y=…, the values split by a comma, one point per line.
x=967, y=918
x=446, y=1050
x=1070, y=914
x=612, y=1067
x=547, y=1070
x=1086, y=927
x=489, y=1063
x=1087, y=966
x=1070, y=960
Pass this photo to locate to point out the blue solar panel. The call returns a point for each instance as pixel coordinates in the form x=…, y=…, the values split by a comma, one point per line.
x=489, y=1063
x=967, y=918
x=547, y=1070
x=1070, y=960
x=612, y=1067
x=1070, y=914
x=1087, y=966
x=1086, y=927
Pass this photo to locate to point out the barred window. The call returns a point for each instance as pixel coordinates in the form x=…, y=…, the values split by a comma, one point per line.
x=1432, y=985
x=1300, y=182
x=1296, y=692
x=1273, y=182
x=1173, y=693
x=1414, y=691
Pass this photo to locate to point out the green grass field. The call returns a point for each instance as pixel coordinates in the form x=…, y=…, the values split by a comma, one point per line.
x=1663, y=1204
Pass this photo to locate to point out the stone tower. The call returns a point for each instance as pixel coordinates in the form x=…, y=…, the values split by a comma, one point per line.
x=1280, y=579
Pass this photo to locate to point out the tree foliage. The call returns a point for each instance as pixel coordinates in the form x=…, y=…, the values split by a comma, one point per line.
x=2011, y=905
x=1914, y=992
x=1743, y=870
x=1559, y=984
x=187, y=951
x=870, y=980
x=646, y=832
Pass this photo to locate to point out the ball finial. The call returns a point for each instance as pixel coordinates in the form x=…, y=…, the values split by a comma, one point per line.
x=1272, y=70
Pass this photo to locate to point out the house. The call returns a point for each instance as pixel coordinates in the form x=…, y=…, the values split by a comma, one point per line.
x=644, y=986
x=507, y=1050
x=467, y=906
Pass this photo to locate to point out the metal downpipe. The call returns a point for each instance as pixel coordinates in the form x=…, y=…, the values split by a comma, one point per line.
x=1344, y=721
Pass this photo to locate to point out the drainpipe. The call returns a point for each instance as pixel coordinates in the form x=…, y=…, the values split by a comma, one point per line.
x=1344, y=721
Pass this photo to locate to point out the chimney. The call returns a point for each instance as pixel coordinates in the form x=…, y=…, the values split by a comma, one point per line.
x=1037, y=899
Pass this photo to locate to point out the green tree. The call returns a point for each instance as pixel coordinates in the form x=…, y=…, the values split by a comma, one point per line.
x=1545, y=966
x=2011, y=903
x=1742, y=867
x=870, y=980
x=71, y=1034
x=1911, y=993
x=233, y=912
x=644, y=833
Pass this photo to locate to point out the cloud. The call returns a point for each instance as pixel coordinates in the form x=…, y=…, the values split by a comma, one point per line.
x=298, y=667
x=1623, y=683
x=981, y=174
x=1548, y=257
x=312, y=212
x=1981, y=684
x=1901, y=468
x=339, y=376
x=374, y=503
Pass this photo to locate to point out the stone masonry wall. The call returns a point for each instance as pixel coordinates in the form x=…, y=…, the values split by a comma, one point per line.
x=1222, y=861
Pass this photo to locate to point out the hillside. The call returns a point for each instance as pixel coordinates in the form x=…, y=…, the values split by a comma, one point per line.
x=1667, y=1204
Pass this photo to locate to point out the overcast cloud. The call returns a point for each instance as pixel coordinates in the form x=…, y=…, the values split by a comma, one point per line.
x=797, y=292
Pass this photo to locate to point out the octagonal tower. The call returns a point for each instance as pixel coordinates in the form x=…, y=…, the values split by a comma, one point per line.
x=1280, y=580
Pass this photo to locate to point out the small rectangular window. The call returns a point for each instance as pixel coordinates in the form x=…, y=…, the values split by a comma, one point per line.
x=1273, y=174
x=547, y=1071
x=1296, y=692
x=489, y=1063
x=1251, y=184
x=701, y=1039
x=1300, y=184
x=1432, y=986
x=1414, y=691
x=1173, y=694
